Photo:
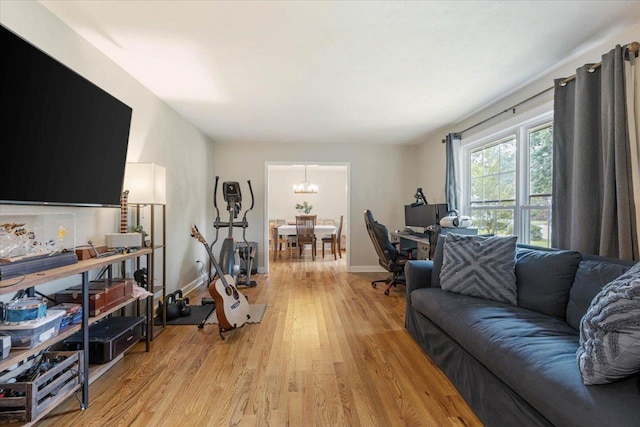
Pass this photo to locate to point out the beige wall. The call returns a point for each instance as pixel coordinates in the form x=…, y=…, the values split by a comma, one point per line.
x=328, y=203
x=380, y=179
x=158, y=134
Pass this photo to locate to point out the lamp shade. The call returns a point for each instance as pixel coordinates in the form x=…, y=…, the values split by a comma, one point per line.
x=146, y=182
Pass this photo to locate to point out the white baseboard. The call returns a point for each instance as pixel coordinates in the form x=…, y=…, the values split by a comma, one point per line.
x=191, y=286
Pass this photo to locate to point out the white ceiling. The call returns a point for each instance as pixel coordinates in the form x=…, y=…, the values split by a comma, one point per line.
x=343, y=72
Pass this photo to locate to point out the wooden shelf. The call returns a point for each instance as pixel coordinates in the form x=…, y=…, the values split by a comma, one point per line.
x=41, y=277
x=17, y=355
x=81, y=267
x=157, y=229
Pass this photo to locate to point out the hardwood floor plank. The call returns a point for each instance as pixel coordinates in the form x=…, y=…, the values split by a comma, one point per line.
x=330, y=351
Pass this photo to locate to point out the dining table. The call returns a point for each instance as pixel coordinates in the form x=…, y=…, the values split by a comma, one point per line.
x=319, y=230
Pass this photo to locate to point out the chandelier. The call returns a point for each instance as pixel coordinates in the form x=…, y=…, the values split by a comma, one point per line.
x=305, y=187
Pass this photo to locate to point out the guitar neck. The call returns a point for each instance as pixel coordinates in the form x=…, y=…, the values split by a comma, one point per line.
x=124, y=214
x=215, y=264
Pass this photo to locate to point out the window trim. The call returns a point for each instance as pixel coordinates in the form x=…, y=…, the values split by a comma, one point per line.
x=520, y=127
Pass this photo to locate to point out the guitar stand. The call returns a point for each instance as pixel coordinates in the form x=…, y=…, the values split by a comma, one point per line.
x=201, y=325
x=204, y=321
x=220, y=330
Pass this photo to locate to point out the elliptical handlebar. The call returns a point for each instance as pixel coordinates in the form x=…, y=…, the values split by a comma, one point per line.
x=250, y=191
x=219, y=224
x=245, y=224
x=216, y=223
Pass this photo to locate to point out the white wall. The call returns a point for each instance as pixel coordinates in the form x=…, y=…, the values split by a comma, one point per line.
x=433, y=151
x=328, y=203
x=158, y=134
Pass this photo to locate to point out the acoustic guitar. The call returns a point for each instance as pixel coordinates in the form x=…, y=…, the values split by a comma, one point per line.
x=232, y=308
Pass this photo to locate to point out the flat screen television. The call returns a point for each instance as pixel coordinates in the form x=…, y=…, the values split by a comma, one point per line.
x=422, y=215
x=65, y=139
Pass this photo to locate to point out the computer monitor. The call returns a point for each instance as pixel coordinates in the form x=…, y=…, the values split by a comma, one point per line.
x=420, y=216
x=441, y=210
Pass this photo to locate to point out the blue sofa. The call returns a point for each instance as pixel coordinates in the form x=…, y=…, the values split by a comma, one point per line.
x=516, y=365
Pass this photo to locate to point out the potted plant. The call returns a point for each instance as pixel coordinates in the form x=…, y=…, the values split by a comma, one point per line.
x=304, y=207
x=139, y=229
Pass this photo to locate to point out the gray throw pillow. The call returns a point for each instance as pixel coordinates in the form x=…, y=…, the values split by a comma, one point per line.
x=479, y=266
x=610, y=332
x=591, y=277
x=544, y=279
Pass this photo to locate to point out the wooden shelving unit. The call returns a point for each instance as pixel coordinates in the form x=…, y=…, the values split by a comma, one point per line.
x=12, y=285
x=159, y=246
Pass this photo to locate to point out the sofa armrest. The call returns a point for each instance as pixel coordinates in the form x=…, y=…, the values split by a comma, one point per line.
x=417, y=274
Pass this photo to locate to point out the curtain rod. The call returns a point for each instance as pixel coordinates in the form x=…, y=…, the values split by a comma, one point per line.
x=631, y=47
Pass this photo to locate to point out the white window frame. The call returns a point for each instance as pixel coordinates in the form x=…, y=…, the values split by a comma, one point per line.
x=520, y=127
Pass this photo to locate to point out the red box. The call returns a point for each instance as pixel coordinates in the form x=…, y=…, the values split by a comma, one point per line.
x=103, y=294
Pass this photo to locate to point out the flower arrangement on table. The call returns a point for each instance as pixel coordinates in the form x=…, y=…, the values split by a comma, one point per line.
x=304, y=207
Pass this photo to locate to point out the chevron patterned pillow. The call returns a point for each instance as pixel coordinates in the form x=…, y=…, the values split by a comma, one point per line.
x=610, y=331
x=479, y=266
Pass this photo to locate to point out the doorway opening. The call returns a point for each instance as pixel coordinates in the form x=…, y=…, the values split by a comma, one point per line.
x=331, y=200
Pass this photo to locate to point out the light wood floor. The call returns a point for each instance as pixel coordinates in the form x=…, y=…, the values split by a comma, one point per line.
x=330, y=351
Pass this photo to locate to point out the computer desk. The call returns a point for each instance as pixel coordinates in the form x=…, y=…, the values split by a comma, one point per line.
x=420, y=242
x=412, y=241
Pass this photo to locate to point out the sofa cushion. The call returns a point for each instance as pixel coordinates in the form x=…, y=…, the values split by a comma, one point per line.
x=438, y=256
x=610, y=331
x=534, y=355
x=591, y=276
x=479, y=266
x=544, y=279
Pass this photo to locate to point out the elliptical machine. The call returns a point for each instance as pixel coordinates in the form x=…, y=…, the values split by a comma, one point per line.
x=229, y=258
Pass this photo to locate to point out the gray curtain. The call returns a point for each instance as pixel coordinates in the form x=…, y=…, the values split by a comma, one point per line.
x=593, y=208
x=452, y=180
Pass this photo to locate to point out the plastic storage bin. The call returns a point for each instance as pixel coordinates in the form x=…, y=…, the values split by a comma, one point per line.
x=30, y=334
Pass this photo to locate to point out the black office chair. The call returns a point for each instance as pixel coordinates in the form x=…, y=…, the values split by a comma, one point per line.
x=389, y=257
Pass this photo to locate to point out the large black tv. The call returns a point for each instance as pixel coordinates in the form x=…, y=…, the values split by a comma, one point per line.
x=65, y=139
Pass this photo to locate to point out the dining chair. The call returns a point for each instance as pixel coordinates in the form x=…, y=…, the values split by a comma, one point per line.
x=334, y=240
x=305, y=233
x=272, y=225
x=279, y=241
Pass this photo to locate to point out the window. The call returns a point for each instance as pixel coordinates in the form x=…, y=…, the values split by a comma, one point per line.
x=508, y=178
x=537, y=210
